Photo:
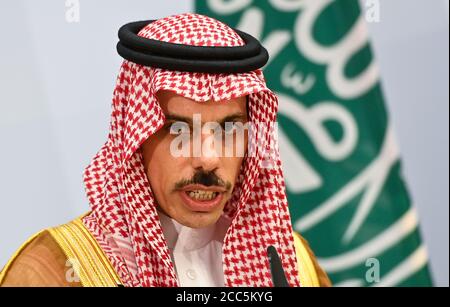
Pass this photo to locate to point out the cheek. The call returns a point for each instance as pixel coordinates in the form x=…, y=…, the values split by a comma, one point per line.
x=159, y=164
x=232, y=167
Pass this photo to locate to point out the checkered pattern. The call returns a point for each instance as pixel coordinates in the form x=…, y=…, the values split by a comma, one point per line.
x=117, y=187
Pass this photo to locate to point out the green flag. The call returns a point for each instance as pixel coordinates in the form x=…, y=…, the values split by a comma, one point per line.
x=340, y=159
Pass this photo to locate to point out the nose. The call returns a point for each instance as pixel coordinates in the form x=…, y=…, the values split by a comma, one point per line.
x=206, y=154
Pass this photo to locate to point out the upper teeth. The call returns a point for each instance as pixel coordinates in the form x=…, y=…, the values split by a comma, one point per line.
x=202, y=195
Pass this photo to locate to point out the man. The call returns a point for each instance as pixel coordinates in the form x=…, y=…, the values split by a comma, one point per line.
x=169, y=207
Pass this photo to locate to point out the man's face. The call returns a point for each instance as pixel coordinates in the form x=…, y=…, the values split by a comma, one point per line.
x=193, y=188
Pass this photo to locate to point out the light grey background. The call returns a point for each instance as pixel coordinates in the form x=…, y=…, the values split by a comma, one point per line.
x=56, y=83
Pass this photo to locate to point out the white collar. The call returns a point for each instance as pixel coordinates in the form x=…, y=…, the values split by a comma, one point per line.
x=196, y=252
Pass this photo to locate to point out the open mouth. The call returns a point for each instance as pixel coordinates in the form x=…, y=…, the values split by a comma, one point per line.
x=200, y=195
x=201, y=199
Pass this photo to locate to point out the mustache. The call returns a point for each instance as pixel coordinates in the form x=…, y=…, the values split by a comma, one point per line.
x=204, y=178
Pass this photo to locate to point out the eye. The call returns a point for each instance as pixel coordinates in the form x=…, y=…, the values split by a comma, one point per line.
x=234, y=127
x=228, y=127
x=178, y=127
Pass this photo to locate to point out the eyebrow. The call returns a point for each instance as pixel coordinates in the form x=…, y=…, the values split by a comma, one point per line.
x=236, y=117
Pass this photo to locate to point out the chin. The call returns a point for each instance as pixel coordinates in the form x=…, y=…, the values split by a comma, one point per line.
x=196, y=219
x=201, y=219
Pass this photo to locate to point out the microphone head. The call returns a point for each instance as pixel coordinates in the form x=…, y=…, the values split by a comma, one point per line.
x=276, y=268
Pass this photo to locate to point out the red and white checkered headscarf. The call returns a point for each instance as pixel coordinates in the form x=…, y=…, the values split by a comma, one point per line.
x=124, y=219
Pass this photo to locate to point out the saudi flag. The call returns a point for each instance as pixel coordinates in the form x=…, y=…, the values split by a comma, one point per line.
x=340, y=158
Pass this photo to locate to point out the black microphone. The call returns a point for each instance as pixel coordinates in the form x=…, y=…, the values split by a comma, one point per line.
x=276, y=268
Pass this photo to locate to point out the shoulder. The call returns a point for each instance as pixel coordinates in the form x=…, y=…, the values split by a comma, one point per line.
x=66, y=255
x=40, y=261
x=311, y=274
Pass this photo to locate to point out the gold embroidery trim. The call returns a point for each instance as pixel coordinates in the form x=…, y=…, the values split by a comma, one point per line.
x=306, y=270
x=87, y=258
